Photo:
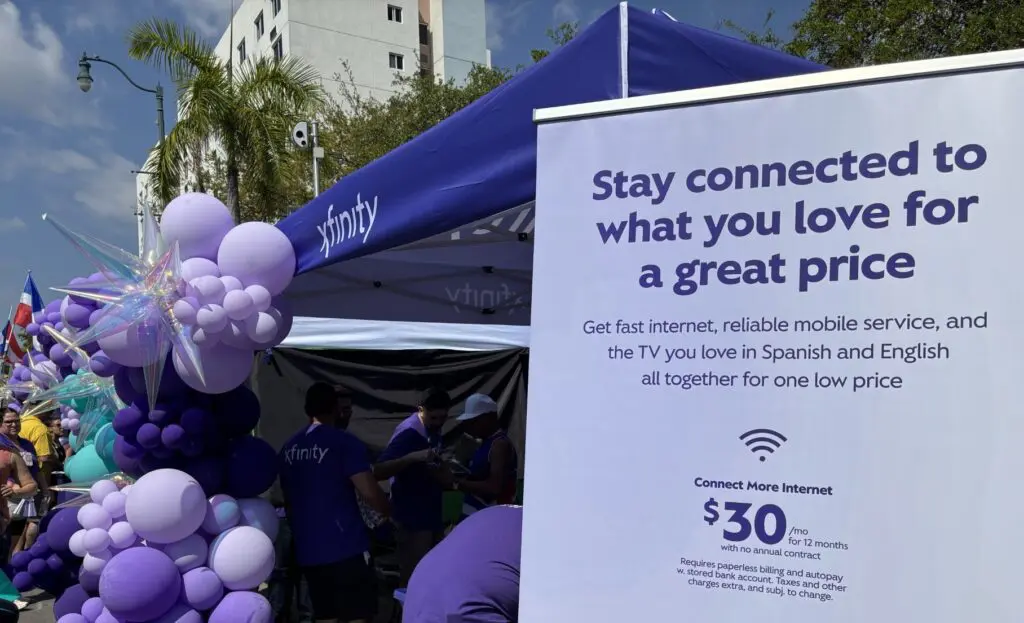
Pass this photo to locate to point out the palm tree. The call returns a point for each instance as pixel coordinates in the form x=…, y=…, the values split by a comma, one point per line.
x=246, y=112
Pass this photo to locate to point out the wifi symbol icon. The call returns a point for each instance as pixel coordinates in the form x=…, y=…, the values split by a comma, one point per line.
x=763, y=441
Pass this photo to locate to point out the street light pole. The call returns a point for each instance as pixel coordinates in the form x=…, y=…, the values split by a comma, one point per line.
x=85, y=84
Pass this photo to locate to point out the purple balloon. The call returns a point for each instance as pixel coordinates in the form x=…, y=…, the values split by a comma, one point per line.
x=53, y=306
x=71, y=601
x=59, y=356
x=71, y=617
x=198, y=267
x=23, y=581
x=260, y=514
x=224, y=368
x=238, y=304
x=185, y=311
x=252, y=467
x=33, y=329
x=39, y=317
x=127, y=463
x=123, y=386
x=242, y=606
x=262, y=328
x=238, y=411
x=196, y=422
x=209, y=472
x=96, y=316
x=208, y=290
x=197, y=222
x=90, y=581
x=258, y=254
x=102, y=366
x=37, y=567
x=128, y=421
x=211, y=318
x=172, y=436
x=92, y=608
x=140, y=584
x=202, y=588
x=162, y=415
x=53, y=317
x=148, y=436
x=20, y=560
x=187, y=553
x=129, y=346
x=77, y=316
x=180, y=613
x=261, y=297
x=62, y=525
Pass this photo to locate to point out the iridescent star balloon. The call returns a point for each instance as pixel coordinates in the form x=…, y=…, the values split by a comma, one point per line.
x=139, y=295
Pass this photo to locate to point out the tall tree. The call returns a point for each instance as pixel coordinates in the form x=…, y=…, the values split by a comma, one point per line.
x=559, y=36
x=852, y=33
x=245, y=113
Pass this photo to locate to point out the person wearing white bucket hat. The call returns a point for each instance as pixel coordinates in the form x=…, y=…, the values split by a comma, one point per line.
x=493, y=469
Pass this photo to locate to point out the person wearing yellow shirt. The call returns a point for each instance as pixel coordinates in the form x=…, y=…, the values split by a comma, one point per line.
x=35, y=431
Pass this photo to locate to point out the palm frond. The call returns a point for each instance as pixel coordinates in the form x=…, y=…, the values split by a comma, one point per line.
x=287, y=81
x=169, y=160
x=167, y=45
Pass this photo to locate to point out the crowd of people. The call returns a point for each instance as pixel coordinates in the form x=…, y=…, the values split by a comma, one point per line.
x=32, y=453
x=334, y=506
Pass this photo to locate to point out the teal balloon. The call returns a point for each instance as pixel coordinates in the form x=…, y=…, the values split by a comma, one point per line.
x=73, y=440
x=104, y=443
x=86, y=465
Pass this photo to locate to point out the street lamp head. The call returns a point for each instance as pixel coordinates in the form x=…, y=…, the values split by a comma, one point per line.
x=84, y=75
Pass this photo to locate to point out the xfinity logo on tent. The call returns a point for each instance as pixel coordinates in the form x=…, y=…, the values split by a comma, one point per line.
x=313, y=455
x=348, y=224
x=480, y=298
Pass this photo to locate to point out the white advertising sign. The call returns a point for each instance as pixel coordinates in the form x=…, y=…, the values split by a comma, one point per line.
x=776, y=368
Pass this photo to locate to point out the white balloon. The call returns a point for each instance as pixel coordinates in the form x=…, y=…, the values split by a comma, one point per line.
x=77, y=543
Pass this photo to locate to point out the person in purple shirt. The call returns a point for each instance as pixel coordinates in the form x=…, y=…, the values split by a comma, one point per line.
x=322, y=469
x=419, y=479
x=472, y=576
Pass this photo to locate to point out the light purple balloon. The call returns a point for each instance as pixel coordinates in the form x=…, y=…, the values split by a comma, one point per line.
x=238, y=304
x=101, y=489
x=33, y=329
x=140, y=584
x=95, y=316
x=188, y=553
x=208, y=290
x=77, y=316
x=106, y=617
x=198, y=267
x=74, y=424
x=222, y=513
x=59, y=356
x=114, y=505
x=92, y=515
x=53, y=317
x=204, y=340
x=224, y=368
x=261, y=328
x=197, y=222
x=129, y=347
x=234, y=335
x=242, y=606
x=102, y=366
x=96, y=540
x=211, y=318
x=185, y=311
x=122, y=536
x=165, y=506
x=202, y=588
x=261, y=297
x=92, y=608
x=73, y=617
x=258, y=254
x=242, y=558
x=231, y=283
x=96, y=562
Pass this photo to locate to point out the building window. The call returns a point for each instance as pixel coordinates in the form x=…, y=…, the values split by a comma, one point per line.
x=241, y=51
x=394, y=13
x=424, y=34
x=273, y=34
x=278, y=46
x=259, y=25
x=276, y=5
x=396, y=61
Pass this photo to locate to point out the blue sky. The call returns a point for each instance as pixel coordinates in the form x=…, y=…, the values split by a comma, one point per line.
x=71, y=154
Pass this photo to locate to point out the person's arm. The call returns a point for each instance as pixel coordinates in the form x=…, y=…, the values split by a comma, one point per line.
x=400, y=454
x=368, y=489
x=26, y=485
x=500, y=455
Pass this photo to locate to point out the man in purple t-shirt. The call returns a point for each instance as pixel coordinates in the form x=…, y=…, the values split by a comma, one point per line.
x=322, y=469
x=418, y=480
x=472, y=576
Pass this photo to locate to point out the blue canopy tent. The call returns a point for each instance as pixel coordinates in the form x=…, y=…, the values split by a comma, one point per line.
x=439, y=231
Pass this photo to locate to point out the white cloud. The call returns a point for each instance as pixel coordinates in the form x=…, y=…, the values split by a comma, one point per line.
x=565, y=11
x=36, y=75
x=9, y=224
x=504, y=19
x=209, y=17
x=98, y=180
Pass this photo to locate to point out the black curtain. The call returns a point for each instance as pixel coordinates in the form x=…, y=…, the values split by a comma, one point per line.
x=387, y=386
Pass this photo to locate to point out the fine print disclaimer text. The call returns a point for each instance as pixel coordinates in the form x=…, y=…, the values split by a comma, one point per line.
x=787, y=582
x=778, y=363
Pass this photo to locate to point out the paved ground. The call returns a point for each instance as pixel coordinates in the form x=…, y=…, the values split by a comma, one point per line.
x=40, y=610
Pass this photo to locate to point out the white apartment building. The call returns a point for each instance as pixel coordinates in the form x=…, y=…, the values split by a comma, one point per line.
x=375, y=39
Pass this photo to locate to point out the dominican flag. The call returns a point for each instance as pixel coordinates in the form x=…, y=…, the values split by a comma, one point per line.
x=17, y=341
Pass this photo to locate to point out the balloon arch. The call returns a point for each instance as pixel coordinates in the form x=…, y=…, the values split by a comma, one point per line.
x=146, y=359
